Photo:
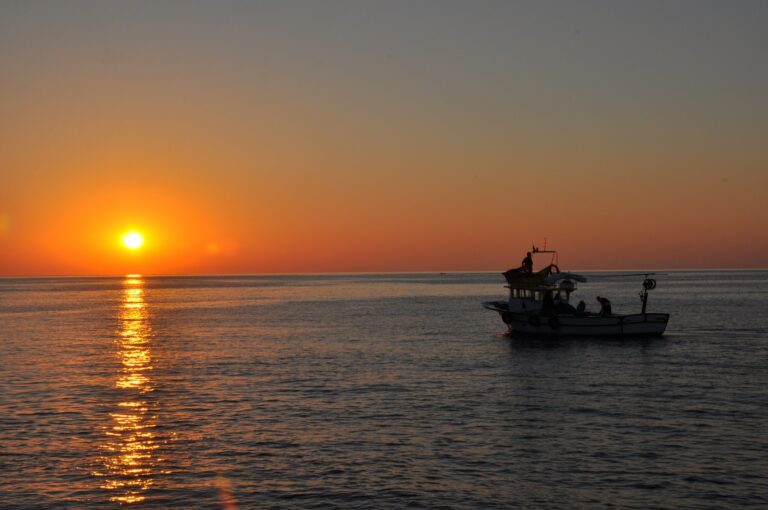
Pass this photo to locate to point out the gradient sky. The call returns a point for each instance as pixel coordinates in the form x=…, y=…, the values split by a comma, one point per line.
x=253, y=137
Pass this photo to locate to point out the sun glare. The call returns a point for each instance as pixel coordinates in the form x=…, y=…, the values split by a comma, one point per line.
x=133, y=240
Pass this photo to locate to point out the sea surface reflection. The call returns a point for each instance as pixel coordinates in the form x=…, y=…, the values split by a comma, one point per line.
x=128, y=455
x=374, y=391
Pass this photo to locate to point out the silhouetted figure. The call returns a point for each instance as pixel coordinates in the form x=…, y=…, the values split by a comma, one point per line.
x=605, y=306
x=581, y=308
x=547, y=304
x=563, y=308
x=527, y=265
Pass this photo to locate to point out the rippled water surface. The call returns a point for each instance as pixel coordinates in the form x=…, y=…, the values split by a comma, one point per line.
x=375, y=391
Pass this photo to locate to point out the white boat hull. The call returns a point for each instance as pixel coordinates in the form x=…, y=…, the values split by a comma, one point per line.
x=573, y=325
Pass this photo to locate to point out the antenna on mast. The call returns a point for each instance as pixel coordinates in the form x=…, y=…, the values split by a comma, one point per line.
x=648, y=284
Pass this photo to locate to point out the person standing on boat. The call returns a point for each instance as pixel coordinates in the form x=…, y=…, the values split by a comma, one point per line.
x=605, y=306
x=547, y=304
x=527, y=265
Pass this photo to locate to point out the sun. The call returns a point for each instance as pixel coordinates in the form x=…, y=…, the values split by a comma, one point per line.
x=133, y=240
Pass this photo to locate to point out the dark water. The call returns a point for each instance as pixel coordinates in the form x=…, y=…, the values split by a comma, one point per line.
x=375, y=391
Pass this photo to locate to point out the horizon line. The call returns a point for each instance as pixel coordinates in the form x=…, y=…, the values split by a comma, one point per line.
x=345, y=273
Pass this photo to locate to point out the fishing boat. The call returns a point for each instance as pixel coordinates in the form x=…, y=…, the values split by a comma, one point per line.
x=540, y=304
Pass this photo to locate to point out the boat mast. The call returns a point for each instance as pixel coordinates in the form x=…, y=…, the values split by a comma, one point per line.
x=648, y=284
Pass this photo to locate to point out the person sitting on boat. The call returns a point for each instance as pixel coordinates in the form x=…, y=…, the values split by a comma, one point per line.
x=605, y=306
x=527, y=265
x=581, y=308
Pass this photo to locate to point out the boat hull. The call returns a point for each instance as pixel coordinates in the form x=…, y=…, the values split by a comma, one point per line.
x=648, y=324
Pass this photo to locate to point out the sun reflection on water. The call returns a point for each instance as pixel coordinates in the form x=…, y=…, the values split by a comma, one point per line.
x=129, y=456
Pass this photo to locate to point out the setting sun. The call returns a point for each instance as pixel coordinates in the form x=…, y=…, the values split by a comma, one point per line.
x=133, y=240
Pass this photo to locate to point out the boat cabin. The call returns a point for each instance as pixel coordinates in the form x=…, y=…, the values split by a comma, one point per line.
x=545, y=289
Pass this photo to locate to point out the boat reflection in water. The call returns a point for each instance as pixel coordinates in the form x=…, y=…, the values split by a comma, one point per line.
x=129, y=456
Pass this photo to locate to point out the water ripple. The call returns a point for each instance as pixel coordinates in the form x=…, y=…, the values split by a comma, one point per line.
x=384, y=392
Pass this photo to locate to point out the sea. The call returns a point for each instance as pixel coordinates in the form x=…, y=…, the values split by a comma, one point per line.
x=376, y=391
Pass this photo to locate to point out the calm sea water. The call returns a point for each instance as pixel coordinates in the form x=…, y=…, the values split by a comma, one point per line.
x=375, y=391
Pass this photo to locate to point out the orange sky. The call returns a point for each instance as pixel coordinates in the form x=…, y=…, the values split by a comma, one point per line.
x=405, y=139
